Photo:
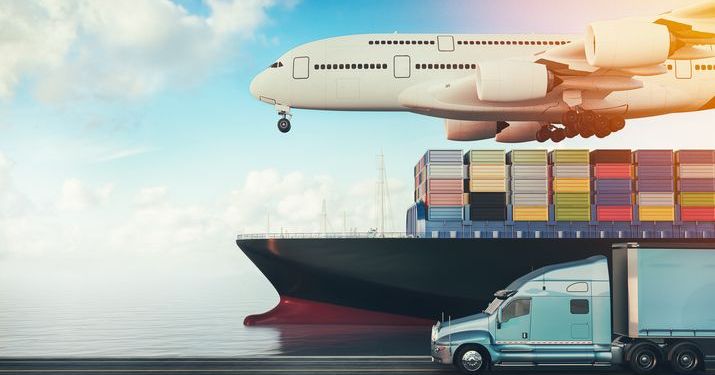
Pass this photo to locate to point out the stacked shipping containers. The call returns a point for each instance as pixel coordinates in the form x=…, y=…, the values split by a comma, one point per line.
x=439, y=175
x=529, y=185
x=655, y=185
x=696, y=185
x=612, y=187
x=571, y=185
x=486, y=185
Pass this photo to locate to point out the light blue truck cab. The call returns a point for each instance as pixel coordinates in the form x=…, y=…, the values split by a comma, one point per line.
x=561, y=315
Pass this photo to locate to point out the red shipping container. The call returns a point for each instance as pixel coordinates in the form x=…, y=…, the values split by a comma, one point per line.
x=697, y=213
x=612, y=170
x=614, y=213
x=445, y=200
x=445, y=186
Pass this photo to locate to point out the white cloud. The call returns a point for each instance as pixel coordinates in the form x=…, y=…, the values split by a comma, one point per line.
x=117, y=49
x=76, y=196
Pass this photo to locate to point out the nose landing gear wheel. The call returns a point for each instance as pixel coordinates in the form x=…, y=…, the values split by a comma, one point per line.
x=284, y=125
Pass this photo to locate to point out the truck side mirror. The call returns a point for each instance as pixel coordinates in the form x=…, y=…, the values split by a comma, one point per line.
x=498, y=324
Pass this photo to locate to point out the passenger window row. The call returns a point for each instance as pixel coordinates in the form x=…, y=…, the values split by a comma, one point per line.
x=512, y=42
x=703, y=67
x=348, y=66
x=420, y=42
x=445, y=66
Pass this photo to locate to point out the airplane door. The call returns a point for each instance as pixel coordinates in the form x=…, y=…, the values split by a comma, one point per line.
x=301, y=67
x=445, y=43
x=683, y=69
x=402, y=66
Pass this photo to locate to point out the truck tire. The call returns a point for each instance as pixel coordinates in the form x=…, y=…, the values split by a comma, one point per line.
x=684, y=358
x=644, y=358
x=471, y=359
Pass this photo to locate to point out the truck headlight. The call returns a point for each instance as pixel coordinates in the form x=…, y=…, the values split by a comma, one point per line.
x=435, y=330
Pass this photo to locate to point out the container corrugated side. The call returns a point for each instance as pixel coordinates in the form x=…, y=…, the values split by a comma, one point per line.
x=695, y=157
x=696, y=199
x=445, y=213
x=572, y=199
x=571, y=185
x=653, y=157
x=611, y=156
x=487, y=186
x=623, y=199
x=529, y=186
x=614, y=213
x=697, y=213
x=654, y=172
x=443, y=157
x=485, y=157
x=529, y=157
x=655, y=199
x=613, y=171
x=487, y=172
x=655, y=186
x=445, y=186
x=572, y=213
x=529, y=172
x=696, y=184
x=571, y=171
x=569, y=156
x=612, y=185
x=445, y=199
x=530, y=213
x=656, y=213
x=529, y=199
x=696, y=171
x=488, y=199
x=445, y=171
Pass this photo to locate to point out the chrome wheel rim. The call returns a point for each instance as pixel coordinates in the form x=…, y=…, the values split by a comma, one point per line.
x=472, y=360
x=686, y=360
x=646, y=360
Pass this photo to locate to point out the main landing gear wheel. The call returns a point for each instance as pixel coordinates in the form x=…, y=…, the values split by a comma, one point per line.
x=471, y=359
x=284, y=125
x=616, y=124
x=543, y=134
x=558, y=135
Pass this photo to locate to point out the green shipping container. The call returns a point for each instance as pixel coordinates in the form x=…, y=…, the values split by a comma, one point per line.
x=572, y=213
x=528, y=157
x=491, y=157
x=697, y=199
x=569, y=157
x=572, y=199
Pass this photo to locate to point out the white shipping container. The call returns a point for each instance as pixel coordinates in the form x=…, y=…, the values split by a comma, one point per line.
x=696, y=171
x=530, y=186
x=571, y=171
x=529, y=199
x=444, y=157
x=529, y=172
x=445, y=171
x=656, y=199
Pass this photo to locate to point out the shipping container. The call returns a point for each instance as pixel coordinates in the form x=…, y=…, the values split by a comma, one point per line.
x=697, y=199
x=487, y=172
x=529, y=199
x=444, y=171
x=695, y=157
x=696, y=184
x=572, y=199
x=486, y=186
x=696, y=171
x=611, y=156
x=531, y=157
x=572, y=213
x=530, y=186
x=656, y=213
x=571, y=185
x=612, y=186
x=697, y=213
x=571, y=171
x=614, y=213
x=656, y=172
x=443, y=157
x=569, y=157
x=445, y=186
x=655, y=186
x=473, y=157
x=612, y=170
x=623, y=199
x=487, y=213
x=487, y=199
x=444, y=199
x=653, y=157
x=529, y=172
x=530, y=213
x=655, y=199
x=445, y=213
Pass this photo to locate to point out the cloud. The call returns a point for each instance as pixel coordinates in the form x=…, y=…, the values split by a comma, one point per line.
x=117, y=49
x=123, y=153
x=76, y=196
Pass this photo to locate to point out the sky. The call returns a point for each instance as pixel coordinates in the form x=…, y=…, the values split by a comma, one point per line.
x=127, y=128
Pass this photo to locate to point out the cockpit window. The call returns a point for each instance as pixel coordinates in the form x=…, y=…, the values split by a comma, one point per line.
x=276, y=64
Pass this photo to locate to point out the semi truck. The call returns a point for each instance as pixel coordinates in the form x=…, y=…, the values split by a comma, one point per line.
x=655, y=308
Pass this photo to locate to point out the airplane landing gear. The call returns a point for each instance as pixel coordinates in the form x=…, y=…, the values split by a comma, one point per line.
x=284, y=121
x=551, y=132
x=589, y=123
x=284, y=125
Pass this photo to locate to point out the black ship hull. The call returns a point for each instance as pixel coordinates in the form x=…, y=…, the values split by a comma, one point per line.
x=402, y=280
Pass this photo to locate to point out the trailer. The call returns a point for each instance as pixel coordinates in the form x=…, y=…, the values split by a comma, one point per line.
x=655, y=308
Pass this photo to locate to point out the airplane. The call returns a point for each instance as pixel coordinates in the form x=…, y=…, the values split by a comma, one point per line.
x=515, y=88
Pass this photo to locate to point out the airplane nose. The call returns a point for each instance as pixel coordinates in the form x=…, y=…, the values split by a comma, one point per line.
x=254, y=87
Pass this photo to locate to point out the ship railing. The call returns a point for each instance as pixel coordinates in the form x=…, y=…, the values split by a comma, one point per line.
x=286, y=235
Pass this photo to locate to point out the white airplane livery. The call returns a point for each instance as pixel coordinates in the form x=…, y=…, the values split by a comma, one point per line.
x=515, y=88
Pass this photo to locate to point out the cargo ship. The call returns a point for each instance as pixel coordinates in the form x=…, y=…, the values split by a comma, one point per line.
x=481, y=219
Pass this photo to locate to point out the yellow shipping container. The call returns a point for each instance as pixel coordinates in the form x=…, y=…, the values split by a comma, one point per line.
x=569, y=157
x=530, y=213
x=572, y=185
x=487, y=172
x=487, y=186
x=697, y=199
x=656, y=213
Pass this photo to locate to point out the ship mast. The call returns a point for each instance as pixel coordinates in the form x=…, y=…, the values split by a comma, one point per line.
x=383, y=195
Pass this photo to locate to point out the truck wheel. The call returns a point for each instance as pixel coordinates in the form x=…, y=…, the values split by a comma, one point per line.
x=471, y=359
x=685, y=359
x=644, y=359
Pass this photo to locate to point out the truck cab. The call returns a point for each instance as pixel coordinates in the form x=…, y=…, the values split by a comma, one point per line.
x=557, y=315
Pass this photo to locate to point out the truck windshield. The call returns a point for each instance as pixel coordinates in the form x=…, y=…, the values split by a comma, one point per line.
x=493, y=306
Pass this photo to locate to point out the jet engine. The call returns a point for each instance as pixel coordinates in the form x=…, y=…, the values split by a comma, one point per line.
x=512, y=81
x=519, y=131
x=458, y=130
x=626, y=44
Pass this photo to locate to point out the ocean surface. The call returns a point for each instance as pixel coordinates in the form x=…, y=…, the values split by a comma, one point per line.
x=156, y=307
